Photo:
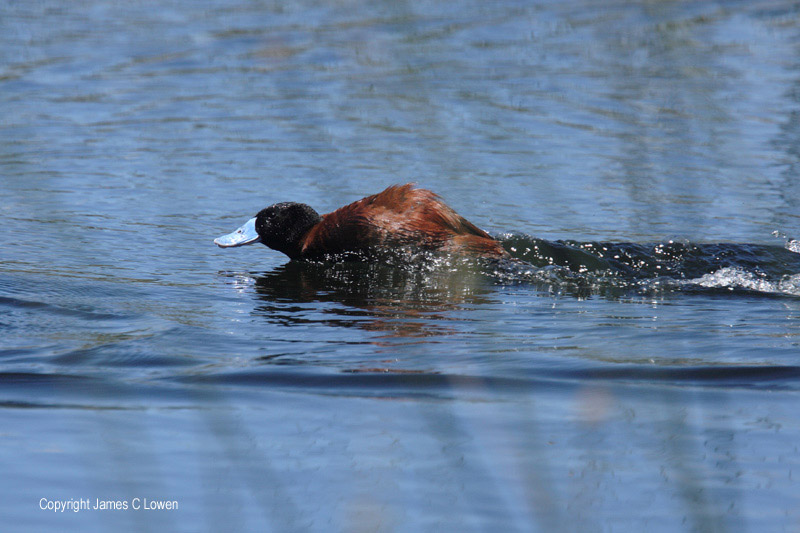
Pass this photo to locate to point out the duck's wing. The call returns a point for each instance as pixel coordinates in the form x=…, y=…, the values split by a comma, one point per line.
x=400, y=215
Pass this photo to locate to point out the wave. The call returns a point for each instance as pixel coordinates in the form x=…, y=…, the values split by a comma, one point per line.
x=667, y=266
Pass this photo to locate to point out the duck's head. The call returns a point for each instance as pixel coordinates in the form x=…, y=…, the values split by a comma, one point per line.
x=279, y=226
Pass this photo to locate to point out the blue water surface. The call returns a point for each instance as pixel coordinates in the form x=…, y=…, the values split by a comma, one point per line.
x=637, y=370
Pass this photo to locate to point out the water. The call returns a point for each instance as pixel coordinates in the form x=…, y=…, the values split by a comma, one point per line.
x=638, y=370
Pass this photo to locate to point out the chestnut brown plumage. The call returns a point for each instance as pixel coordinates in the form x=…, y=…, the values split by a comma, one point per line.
x=400, y=216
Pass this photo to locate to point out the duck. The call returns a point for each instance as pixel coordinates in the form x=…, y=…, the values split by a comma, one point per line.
x=400, y=217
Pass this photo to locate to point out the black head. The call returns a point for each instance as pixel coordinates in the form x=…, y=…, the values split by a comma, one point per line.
x=283, y=226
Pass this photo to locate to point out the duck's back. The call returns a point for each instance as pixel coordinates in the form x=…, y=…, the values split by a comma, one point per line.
x=399, y=216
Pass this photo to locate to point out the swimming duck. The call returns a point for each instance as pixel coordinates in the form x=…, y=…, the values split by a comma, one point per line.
x=400, y=216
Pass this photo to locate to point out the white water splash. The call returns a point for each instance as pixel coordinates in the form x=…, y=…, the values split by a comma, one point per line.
x=793, y=245
x=737, y=278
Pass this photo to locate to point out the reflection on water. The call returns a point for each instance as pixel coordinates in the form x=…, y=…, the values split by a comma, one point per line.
x=396, y=301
